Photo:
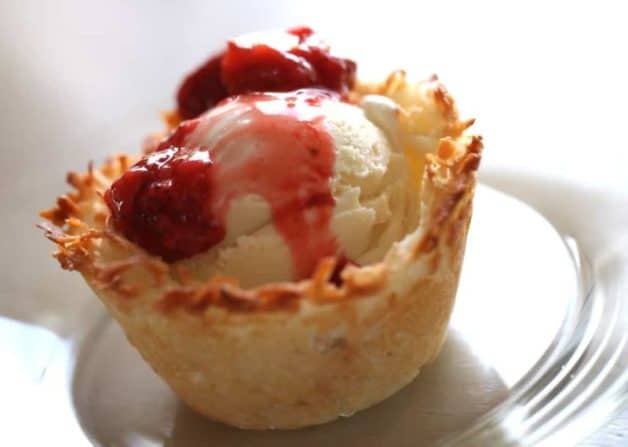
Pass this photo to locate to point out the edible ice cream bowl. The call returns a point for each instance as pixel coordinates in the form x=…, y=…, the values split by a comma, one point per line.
x=289, y=354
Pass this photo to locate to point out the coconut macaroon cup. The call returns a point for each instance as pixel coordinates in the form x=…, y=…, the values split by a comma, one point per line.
x=293, y=354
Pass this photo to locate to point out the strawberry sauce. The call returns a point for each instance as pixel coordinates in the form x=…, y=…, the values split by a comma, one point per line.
x=276, y=61
x=174, y=202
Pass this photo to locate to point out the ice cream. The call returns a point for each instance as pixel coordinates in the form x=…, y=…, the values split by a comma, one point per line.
x=286, y=179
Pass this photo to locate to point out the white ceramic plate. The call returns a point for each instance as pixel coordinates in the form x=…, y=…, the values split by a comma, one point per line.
x=535, y=353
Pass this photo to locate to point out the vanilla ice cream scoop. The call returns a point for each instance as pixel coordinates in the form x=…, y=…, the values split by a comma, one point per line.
x=294, y=177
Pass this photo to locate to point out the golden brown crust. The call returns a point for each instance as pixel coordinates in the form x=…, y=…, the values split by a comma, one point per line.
x=287, y=354
x=77, y=251
x=171, y=118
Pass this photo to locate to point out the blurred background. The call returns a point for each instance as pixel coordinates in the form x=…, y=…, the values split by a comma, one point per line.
x=547, y=83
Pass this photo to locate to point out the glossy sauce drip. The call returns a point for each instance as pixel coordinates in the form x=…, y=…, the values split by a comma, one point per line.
x=273, y=145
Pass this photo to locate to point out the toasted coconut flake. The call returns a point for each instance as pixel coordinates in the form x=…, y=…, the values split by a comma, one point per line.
x=444, y=99
x=365, y=280
x=171, y=118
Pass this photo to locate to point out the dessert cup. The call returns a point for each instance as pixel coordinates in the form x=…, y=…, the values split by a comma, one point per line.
x=294, y=353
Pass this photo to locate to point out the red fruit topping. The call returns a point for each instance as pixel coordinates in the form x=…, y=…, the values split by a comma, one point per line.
x=201, y=89
x=175, y=201
x=265, y=69
x=160, y=203
x=277, y=61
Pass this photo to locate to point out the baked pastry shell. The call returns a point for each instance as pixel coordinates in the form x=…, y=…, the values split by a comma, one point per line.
x=282, y=355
